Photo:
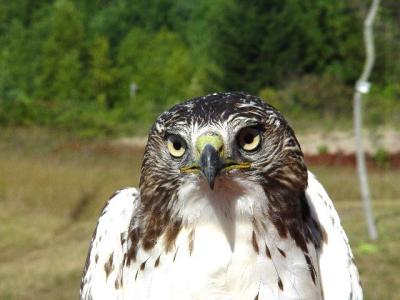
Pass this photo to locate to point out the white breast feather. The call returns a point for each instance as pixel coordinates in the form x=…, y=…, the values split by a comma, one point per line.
x=223, y=263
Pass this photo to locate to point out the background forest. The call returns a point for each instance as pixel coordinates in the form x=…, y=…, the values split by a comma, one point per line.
x=101, y=67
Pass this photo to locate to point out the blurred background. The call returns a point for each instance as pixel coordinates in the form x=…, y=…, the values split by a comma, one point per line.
x=82, y=81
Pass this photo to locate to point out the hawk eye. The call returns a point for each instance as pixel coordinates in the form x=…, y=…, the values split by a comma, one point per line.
x=176, y=145
x=249, y=138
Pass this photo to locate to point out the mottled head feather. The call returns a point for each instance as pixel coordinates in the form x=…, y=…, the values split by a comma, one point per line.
x=278, y=167
x=217, y=108
x=281, y=163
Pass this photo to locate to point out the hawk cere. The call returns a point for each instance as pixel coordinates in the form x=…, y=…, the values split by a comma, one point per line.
x=226, y=209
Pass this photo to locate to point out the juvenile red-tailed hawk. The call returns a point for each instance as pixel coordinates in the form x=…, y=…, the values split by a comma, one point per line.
x=226, y=209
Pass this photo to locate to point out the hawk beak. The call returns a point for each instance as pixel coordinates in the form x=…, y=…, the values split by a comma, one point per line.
x=210, y=149
x=210, y=164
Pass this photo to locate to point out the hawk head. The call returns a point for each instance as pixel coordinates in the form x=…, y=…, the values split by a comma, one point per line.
x=222, y=146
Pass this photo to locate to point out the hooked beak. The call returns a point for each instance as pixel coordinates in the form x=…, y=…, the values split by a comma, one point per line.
x=210, y=163
x=210, y=158
x=210, y=155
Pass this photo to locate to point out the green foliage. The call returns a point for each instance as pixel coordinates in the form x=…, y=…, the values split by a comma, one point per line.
x=100, y=67
x=158, y=66
x=102, y=75
x=382, y=158
x=320, y=97
x=382, y=105
x=368, y=248
x=323, y=149
x=60, y=75
x=268, y=42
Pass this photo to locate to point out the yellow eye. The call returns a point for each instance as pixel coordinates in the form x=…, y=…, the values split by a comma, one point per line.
x=249, y=138
x=176, y=146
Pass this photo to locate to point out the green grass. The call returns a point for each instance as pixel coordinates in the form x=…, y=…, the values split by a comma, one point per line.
x=53, y=187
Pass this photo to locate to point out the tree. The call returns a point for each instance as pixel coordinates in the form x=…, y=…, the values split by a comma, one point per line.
x=268, y=42
x=158, y=65
x=60, y=76
x=101, y=72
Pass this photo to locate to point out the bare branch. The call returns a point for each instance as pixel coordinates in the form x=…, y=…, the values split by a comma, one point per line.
x=362, y=87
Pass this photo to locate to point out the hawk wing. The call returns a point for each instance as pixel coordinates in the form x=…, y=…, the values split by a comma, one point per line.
x=103, y=270
x=339, y=275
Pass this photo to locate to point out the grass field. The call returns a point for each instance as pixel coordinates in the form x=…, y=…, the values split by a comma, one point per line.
x=52, y=189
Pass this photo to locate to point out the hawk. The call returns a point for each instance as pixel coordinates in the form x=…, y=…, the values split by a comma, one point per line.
x=226, y=209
